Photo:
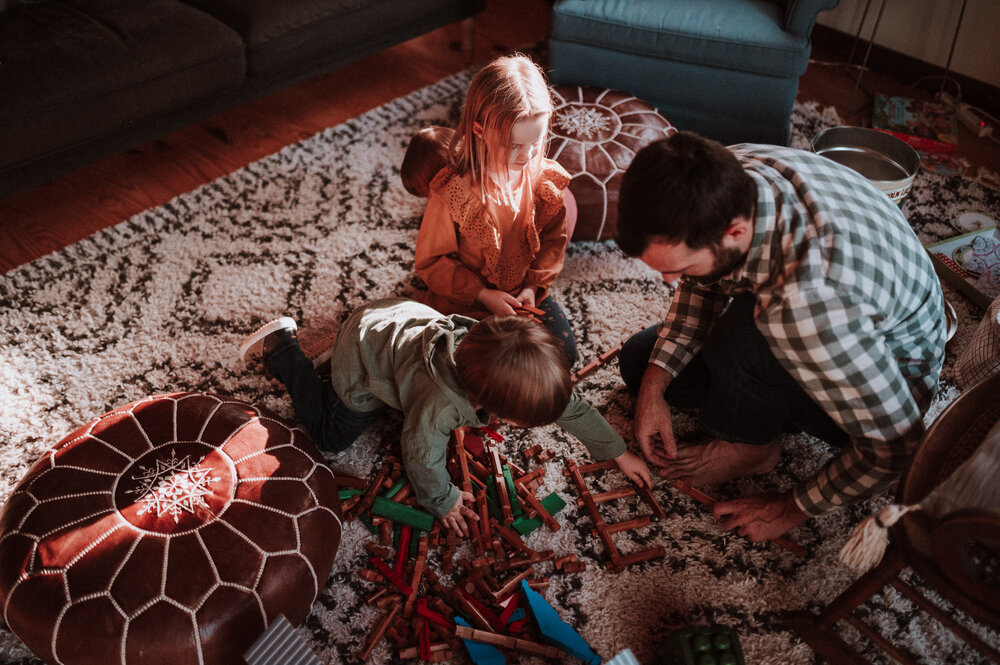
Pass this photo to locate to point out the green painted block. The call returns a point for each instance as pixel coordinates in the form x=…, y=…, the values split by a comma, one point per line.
x=691, y=645
x=348, y=493
x=392, y=491
x=508, y=479
x=396, y=511
x=367, y=521
x=491, y=498
x=553, y=503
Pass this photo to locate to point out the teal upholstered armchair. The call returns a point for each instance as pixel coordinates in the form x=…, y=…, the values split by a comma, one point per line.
x=727, y=69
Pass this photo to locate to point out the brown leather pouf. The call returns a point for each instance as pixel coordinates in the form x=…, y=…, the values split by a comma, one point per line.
x=595, y=133
x=172, y=530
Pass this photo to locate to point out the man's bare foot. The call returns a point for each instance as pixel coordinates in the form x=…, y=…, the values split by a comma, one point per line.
x=715, y=461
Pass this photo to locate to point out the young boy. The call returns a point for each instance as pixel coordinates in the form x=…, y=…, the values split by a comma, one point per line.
x=442, y=372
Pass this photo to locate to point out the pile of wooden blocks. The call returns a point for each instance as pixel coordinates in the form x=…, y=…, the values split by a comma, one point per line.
x=411, y=562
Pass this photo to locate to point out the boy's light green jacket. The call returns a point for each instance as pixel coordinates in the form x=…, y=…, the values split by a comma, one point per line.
x=401, y=353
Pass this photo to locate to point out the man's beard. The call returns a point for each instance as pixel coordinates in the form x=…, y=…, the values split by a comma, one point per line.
x=727, y=259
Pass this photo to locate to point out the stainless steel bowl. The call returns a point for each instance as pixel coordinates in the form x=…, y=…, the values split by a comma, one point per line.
x=889, y=163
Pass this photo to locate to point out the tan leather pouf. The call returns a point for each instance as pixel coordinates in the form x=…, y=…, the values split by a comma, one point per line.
x=595, y=133
x=170, y=531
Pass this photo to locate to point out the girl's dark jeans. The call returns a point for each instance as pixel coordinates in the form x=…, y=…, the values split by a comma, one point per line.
x=741, y=391
x=557, y=323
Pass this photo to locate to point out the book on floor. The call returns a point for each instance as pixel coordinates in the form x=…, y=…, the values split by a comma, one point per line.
x=929, y=127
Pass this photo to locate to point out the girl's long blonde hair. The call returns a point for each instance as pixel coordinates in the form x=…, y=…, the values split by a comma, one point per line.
x=508, y=89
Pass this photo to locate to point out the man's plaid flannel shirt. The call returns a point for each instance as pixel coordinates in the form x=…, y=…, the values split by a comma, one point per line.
x=849, y=303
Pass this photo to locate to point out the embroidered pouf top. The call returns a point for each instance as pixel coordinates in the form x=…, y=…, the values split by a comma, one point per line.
x=171, y=530
x=594, y=134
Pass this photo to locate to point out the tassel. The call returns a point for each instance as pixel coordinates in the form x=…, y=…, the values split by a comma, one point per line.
x=867, y=544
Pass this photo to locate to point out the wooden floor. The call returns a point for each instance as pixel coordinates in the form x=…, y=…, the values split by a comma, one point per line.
x=47, y=218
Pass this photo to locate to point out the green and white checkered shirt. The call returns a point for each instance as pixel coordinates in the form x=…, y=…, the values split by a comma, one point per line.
x=847, y=299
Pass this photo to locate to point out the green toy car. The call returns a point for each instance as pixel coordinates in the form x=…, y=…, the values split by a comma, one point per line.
x=712, y=645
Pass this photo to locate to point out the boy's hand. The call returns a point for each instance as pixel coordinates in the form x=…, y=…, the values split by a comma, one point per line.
x=455, y=518
x=498, y=302
x=635, y=468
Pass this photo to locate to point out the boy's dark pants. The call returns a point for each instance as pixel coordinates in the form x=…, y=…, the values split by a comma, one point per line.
x=741, y=391
x=332, y=426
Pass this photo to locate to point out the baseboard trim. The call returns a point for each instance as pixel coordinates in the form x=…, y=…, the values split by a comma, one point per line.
x=904, y=68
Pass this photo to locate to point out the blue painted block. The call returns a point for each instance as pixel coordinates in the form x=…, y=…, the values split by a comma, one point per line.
x=555, y=630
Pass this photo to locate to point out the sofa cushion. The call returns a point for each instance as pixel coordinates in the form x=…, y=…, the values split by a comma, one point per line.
x=282, y=35
x=728, y=34
x=72, y=70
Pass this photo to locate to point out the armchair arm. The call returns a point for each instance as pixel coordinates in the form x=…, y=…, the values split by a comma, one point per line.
x=800, y=15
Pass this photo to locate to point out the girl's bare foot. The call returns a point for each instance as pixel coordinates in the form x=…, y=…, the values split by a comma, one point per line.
x=715, y=461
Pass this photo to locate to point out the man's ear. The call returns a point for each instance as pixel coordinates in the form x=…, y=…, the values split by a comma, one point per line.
x=740, y=232
x=477, y=129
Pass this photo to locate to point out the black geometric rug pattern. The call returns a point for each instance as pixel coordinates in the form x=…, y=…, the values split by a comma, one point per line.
x=159, y=303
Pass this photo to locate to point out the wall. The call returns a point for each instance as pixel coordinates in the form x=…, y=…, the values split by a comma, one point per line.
x=924, y=29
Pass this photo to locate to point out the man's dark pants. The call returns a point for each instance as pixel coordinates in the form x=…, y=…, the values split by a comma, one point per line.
x=741, y=391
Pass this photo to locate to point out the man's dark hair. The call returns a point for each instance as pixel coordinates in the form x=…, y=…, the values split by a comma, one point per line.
x=682, y=188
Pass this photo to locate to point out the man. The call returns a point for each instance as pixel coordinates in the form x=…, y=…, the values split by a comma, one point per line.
x=804, y=303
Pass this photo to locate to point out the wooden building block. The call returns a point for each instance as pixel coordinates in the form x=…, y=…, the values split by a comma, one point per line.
x=379, y=632
x=602, y=529
x=612, y=495
x=503, y=499
x=391, y=575
x=507, y=642
x=369, y=496
x=537, y=506
x=511, y=585
x=628, y=525
x=463, y=458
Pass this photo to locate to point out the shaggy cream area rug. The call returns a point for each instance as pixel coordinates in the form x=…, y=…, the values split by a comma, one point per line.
x=159, y=303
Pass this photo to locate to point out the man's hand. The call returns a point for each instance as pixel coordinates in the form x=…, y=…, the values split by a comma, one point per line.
x=635, y=468
x=652, y=425
x=760, y=517
x=527, y=297
x=497, y=302
x=455, y=518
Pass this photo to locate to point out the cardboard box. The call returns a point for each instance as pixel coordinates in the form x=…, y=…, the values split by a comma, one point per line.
x=971, y=263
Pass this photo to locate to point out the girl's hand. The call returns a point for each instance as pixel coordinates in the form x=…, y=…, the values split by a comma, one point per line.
x=455, y=518
x=527, y=297
x=635, y=468
x=498, y=302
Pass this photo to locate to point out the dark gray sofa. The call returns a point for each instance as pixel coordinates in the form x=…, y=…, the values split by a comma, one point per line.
x=84, y=79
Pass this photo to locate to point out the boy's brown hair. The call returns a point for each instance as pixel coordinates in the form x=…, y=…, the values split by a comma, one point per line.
x=515, y=369
x=427, y=153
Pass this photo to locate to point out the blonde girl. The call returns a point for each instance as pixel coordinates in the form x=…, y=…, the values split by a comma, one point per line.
x=494, y=233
